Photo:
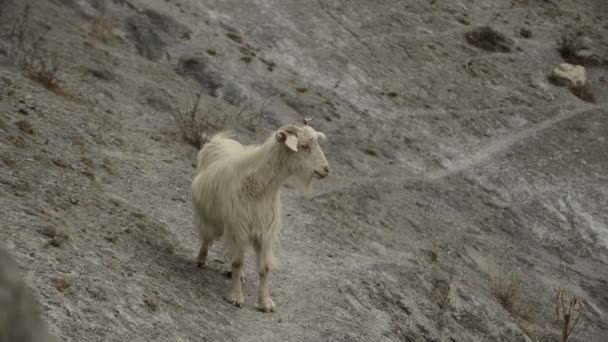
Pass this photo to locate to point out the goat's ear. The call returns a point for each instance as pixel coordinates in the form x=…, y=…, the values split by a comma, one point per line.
x=321, y=136
x=290, y=140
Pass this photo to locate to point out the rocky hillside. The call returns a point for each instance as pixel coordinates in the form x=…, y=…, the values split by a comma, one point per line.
x=468, y=186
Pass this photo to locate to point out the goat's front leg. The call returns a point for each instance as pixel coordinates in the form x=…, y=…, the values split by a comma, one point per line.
x=264, y=260
x=236, y=295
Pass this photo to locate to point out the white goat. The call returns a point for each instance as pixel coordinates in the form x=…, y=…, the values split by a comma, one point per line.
x=236, y=196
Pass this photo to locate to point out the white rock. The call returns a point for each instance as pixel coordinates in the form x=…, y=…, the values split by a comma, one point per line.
x=575, y=75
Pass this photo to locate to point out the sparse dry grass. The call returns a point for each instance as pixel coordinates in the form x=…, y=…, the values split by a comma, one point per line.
x=570, y=43
x=101, y=26
x=576, y=47
x=196, y=128
x=43, y=67
x=507, y=290
x=27, y=52
x=569, y=309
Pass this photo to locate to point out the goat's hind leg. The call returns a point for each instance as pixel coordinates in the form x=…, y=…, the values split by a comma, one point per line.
x=201, y=260
x=207, y=233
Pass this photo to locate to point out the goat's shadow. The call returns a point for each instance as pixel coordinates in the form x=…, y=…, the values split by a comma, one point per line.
x=162, y=258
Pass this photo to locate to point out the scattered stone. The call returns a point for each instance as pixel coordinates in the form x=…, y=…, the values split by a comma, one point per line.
x=463, y=20
x=25, y=126
x=102, y=74
x=59, y=162
x=89, y=172
x=489, y=39
x=234, y=37
x=525, y=32
x=151, y=303
x=186, y=35
x=74, y=200
x=111, y=239
x=50, y=231
x=575, y=78
x=569, y=75
x=61, y=283
x=18, y=141
x=58, y=236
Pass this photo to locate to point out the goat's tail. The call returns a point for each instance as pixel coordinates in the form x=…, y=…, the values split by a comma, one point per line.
x=214, y=149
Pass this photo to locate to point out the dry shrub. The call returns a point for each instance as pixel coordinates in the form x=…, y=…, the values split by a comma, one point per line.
x=569, y=309
x=196, y=128
x=42, y=66
x=507, y=290
x=101, y=26
x=27, y=52
x=487, y=38
x=575, y=47
x=569, y=44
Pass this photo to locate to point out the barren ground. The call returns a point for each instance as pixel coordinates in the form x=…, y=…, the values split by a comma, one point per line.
x=451, y=165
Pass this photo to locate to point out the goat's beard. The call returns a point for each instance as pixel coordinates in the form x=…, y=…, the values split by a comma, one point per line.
x=304, y=184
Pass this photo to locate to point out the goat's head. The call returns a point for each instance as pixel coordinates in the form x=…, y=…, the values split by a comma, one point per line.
x=306, y=159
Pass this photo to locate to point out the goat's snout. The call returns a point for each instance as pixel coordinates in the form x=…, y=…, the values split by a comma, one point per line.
x=323, y=173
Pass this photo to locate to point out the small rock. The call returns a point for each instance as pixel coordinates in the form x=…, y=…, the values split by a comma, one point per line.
x=61, y=283
x=25, y=126
x=569, y=75
x=74, y=200
x=463, y=20
x=102, y=74
x=50, y=232
x=525, y=32
x=58, y=237
x=584, y=54
x=151, y=303
x=59, y=162
x=111, y=239
x=18, y=141
x=89, y=172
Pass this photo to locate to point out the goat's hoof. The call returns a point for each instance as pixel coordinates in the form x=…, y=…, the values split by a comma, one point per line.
x=237, y=301
x=200, y=264
x=267, y=306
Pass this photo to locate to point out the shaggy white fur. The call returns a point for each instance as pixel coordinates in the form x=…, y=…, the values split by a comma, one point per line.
x=236, y=196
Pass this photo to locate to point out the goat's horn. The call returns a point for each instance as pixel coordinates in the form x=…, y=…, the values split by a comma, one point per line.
x=308, y=120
